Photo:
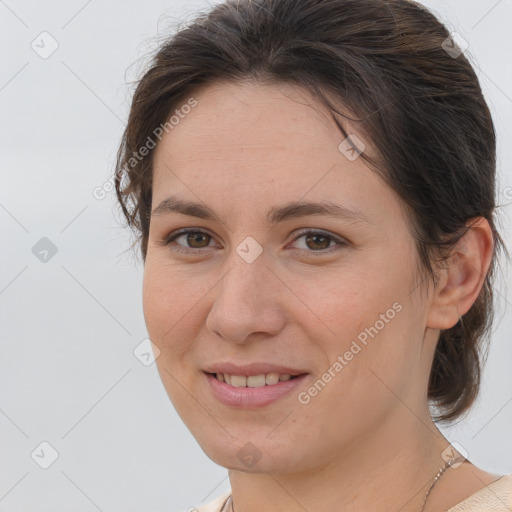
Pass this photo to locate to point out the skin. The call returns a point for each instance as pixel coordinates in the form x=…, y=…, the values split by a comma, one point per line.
x=243, y=149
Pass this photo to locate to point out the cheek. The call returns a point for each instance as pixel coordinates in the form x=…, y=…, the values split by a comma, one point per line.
x=372, y=324
x=348, y=302
x=168, y=303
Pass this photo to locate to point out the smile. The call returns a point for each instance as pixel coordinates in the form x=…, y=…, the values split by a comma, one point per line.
x=252, y=391
x=254, y=381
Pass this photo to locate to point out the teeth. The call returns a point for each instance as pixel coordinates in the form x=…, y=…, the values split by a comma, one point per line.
x=239, y=381
x=256, y=381
x=253, y=381
x=271, y=378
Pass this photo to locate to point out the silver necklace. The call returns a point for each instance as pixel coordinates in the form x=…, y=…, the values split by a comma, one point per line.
x=229, y=501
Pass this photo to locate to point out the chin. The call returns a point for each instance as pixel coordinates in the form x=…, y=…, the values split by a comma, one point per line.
x=263, y=456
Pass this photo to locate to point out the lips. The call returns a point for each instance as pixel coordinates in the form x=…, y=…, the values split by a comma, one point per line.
x=248, y=397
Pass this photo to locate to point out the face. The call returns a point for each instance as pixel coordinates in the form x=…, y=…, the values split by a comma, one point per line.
x=331, y=296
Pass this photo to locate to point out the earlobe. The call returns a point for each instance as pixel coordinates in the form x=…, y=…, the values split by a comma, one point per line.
x=461, y=280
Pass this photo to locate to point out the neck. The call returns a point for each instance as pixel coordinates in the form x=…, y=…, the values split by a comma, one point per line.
x=393, y=466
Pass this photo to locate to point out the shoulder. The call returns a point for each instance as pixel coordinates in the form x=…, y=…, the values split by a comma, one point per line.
x=497, y=496
x=214, y=505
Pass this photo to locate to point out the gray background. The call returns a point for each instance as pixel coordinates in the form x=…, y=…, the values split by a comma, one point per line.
x=68, y=375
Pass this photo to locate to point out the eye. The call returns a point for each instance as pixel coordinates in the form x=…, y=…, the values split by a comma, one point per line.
x=319, y=242
x=197, y=239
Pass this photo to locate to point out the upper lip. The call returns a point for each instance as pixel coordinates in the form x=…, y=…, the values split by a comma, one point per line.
x=257, y=368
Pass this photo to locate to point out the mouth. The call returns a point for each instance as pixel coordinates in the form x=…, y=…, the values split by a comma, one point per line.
x=253, y=391
x=253, y=381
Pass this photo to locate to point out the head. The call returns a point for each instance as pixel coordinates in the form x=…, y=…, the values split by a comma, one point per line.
x=347, y=103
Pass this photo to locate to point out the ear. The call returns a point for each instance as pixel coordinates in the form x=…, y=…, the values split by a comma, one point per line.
x=462, y=279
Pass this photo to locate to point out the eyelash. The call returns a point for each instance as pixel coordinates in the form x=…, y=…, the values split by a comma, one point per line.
x=168, y=241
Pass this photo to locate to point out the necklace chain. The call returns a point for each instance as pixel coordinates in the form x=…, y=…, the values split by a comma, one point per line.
x=229, y=501
x=437, y=477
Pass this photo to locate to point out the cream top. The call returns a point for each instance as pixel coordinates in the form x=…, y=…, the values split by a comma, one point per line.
x=496, y=496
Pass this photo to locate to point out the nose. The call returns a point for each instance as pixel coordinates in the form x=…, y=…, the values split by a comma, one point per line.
x=247, y=302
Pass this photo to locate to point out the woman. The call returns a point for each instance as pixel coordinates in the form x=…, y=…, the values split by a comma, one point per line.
x=313, y=183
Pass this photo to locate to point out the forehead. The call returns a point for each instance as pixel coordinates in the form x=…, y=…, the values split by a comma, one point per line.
x=245, y=119
x=264, y=142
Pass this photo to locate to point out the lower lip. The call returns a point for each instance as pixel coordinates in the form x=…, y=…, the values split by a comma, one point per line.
x=252, y=397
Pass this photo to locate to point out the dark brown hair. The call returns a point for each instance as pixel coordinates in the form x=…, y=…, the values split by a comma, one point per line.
x=421, y=106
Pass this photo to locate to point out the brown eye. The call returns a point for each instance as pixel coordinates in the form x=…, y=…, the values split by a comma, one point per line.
x=318, y=241
x=192, y=240
x=197, y=239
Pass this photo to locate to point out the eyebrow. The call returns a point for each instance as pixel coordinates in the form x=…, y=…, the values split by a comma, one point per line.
x=294, y=209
